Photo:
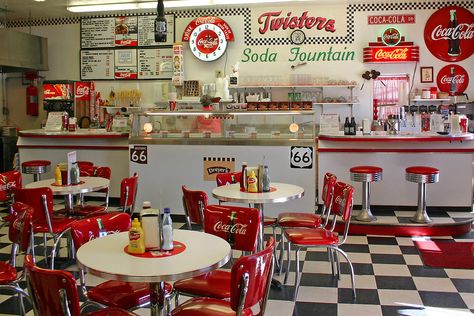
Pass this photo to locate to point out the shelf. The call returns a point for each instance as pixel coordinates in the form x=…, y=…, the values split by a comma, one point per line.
x=429, y=100
x=334, y=103
x=296, y=86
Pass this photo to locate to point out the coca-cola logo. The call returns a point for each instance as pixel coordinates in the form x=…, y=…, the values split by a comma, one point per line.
x=239, y=229
x=395, y=54
x=449, y=33
x=391, y=36
x=274, y=21
x=206, y=19
x=82, y=91
x=453, y=79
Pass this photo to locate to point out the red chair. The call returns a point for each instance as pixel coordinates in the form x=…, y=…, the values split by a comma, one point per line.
x=8, y=181
x=41, y=200
x=239, y=226
x=228, y=178
x=128, y=193
x=20, y=235
x=93, y=210
x=54, y=292
x=322, y=237
x=308, y=220
x=86, y=168
x=250, y=285
x=194, y=203
x=126, y=295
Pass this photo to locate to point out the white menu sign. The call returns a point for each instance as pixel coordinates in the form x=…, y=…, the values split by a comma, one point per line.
x=146, y=30
x=97, y=33
x=97, y=64
x=155, y=63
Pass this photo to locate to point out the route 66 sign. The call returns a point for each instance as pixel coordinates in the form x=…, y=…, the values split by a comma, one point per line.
x=208, y=37
x=139, y=154
x=301, y=157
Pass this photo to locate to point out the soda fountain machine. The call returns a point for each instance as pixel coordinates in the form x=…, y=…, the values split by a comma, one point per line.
x=58, y=96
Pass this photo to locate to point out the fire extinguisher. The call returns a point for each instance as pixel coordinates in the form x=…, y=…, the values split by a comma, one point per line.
x=32, y=100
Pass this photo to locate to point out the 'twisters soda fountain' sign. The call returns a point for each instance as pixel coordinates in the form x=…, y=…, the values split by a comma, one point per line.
x=449, y=33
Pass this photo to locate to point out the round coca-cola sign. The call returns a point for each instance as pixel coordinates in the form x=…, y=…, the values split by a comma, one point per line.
x=391, y=36
x=449, y=33
x=453, y=79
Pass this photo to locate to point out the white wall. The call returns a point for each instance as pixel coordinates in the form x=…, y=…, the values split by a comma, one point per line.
x=64, y=48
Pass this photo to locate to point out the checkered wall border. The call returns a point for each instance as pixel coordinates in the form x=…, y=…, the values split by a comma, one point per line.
x=246, y=13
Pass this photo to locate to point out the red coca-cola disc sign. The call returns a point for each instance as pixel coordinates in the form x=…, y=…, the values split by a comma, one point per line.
x=449, y=33
x=453, y=79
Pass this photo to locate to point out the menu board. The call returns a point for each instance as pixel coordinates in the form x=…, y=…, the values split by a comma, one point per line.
x=155, y=63
x=126, y=64
x=126, y=31
x=97, y=64
x=146, y=30
x=97, y=33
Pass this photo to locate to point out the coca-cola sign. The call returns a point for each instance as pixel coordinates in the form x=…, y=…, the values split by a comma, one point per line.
x=82, y=91
x=391, y=54
x=239, y=229
x=391, y=36
x=449, y=33
x=453, y=79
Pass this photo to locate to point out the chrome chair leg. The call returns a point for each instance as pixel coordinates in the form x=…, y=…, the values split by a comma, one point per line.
x=288, y=256
x=352, y=270
x=297, y=275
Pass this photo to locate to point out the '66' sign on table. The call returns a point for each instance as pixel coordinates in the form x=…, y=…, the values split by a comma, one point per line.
x=208, y=37
x=449, y=33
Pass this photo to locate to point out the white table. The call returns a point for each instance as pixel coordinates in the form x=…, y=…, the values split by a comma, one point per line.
x=105, y=257
x=283, y=192
x=88, y=184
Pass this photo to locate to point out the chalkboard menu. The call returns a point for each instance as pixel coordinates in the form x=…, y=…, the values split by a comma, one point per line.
x=124, y=47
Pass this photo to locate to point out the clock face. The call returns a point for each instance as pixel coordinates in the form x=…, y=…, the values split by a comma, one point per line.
x=207, y=42
x=297, y=37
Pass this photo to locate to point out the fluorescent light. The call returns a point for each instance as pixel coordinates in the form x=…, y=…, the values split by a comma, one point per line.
x=103, y=7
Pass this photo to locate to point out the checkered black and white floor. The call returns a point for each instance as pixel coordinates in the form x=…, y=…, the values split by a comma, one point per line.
x=389, y=272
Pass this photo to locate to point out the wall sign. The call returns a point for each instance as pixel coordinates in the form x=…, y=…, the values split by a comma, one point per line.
x=139, y=154
x=208, y=37
x=391, y=36
x=301, y=157
x=453, y=79
x=391, y=48
x=214, y=165
x=449, y=33
x=391, y=19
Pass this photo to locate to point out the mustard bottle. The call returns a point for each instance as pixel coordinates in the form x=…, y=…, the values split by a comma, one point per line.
x=136, y=238
x=57, y=176
x=252, y=185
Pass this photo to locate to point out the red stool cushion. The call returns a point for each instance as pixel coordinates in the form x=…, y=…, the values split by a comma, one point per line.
x=7, y=273
x=269, y=221
x=214, y=284
x=290, y=219
x=123, y=294
x=309, y=236
x=422, y=170
x=109, y=311
x=36, y=163
x=207, y=306
x=366, y=169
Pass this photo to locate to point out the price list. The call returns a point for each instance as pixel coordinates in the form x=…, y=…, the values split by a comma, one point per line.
x=146, y=30
x=155, y=63
x=97, y=64
x=97, y=33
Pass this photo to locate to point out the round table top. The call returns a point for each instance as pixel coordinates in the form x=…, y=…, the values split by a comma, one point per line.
x=90, y=184
x=105, y=257
x=283, y=193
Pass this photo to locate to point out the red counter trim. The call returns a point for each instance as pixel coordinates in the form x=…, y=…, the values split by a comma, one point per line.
x=359, y=150
x=32, y=135
x=388, y=139
x=76, y=147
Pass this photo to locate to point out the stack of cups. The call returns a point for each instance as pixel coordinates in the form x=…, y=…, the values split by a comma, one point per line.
x=172, y=96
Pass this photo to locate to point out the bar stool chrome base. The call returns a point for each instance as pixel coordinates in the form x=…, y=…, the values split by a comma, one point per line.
x=421, y=175
x=36, y=168
x=366, y=175
x=365, y=216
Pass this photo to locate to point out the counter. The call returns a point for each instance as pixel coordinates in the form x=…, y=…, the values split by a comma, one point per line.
x=95, y=145
x=451, y=154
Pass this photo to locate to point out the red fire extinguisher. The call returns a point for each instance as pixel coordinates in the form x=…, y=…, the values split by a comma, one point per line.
x=32, y=100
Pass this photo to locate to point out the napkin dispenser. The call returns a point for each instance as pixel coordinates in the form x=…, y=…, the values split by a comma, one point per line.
x=151, y=224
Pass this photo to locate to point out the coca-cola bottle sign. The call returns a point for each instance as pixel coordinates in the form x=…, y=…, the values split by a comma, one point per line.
x=452, y=79
x=449, y=33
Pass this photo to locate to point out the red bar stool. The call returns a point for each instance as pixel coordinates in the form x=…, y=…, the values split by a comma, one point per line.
x=366, y=175
x=36, y=168
x=421, y=175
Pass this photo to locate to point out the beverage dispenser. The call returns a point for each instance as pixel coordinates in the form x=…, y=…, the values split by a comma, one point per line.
x=58, y=96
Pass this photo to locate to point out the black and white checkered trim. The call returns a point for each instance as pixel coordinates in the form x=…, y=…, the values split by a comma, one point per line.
x=212, y=12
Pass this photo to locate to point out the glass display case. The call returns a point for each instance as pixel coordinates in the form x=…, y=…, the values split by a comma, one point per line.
x=243, y=126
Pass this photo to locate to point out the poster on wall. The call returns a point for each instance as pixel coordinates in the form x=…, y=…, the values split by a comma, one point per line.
x=146, y=30
x=97, y=64
x=126, y=31
x=449, y=33
x=154, y=63
x=97, y=33
x=126, y=66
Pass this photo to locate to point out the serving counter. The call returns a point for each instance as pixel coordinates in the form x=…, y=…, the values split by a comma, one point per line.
x=95, y=145
x=171, y=149
x=451, y=154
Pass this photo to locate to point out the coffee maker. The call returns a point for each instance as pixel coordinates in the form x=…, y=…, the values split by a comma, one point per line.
x=466, y=108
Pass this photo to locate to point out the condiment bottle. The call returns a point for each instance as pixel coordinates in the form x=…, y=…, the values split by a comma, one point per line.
x=102, y=230
x=74, y=173
x=252, y=185
x=266, y=180
x=136, y=238
x=167, y=231
x=243, y=178
x=347, y=127
x=57, y=176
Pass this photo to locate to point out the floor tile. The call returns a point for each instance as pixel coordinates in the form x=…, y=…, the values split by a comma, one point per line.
x=434, y=284
x=392, y=297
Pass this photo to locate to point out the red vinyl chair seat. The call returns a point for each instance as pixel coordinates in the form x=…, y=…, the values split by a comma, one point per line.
x=269, y=221
x=121, y=294
x=213, y=284
x=111, y=311
x=89, y=210
x=8, y=273
x=366, y=169
x=205, y=306
x=313, y=237
x=60, y=224
x=298, y=219
x=422, y=170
